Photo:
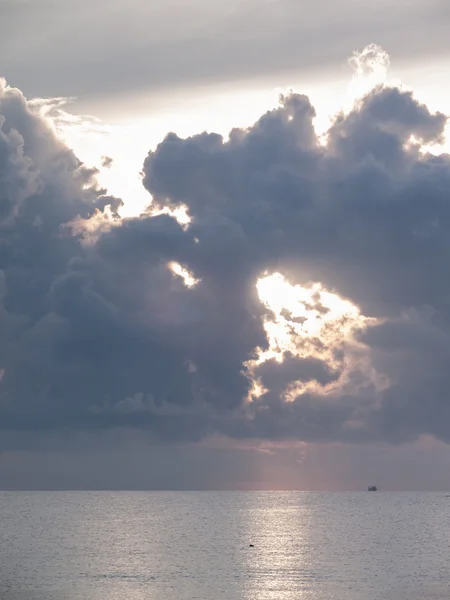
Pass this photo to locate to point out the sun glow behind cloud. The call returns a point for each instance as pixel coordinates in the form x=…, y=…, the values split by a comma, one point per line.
x=306, y=312
x=128, y=141
x=187, y=277
x=304, y=321
x=308, y=321
x=312, y=376
x=370, y=68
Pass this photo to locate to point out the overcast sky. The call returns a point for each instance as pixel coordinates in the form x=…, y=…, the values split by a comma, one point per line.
x=279, y=316
x=108, y=47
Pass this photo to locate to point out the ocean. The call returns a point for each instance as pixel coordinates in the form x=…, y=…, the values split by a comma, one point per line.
x=224, y=545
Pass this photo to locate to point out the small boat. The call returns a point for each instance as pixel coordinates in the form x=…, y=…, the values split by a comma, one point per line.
x=372, y=488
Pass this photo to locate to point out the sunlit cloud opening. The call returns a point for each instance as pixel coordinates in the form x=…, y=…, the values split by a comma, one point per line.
x=277, y=293
x=189, y=280
x=310, y=321
x=180, y=214
x=89, y=230
x=305, y=311
x=257, y=389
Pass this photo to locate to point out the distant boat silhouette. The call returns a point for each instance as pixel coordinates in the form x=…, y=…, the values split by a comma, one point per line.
x=372, y=488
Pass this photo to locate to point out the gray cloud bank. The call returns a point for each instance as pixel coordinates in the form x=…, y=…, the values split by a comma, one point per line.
x=155, y=45
x=97, y=333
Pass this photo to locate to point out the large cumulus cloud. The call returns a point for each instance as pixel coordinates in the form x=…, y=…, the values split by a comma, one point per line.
x=97, y=332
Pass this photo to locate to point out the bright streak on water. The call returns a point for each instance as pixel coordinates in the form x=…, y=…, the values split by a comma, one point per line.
x=196, y=545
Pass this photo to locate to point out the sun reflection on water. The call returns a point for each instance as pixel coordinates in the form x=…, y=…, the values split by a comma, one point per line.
x=278, y=566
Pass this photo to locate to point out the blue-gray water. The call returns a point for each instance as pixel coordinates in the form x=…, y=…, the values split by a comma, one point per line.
x=196, y=545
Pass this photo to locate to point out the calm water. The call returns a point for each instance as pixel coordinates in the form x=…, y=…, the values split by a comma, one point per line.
x=196, y=545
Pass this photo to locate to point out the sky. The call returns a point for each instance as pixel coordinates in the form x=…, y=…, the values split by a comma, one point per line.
x=224, y=245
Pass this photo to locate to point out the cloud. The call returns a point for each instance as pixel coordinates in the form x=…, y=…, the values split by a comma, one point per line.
x=197, y=42
x=107, y=161
x=366, y=215
x=98, y=332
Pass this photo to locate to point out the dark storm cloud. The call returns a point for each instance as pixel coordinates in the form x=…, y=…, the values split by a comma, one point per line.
x=88, y=327
x=276, y=376
x=97, y=332
x=175, y=44
x=362, y=215
x=367, y=215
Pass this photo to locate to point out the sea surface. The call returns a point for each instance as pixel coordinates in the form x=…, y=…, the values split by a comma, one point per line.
x=196, y=546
